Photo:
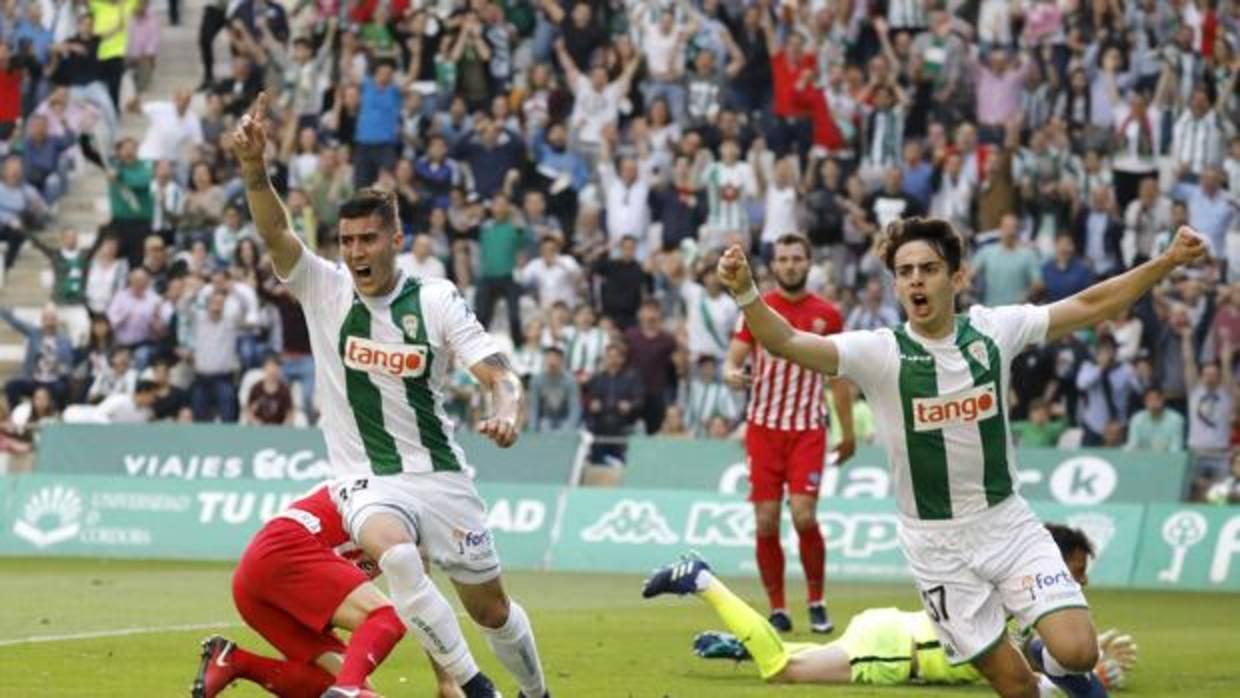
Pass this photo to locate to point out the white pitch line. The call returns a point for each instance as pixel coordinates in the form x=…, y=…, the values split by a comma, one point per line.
x=120, y=632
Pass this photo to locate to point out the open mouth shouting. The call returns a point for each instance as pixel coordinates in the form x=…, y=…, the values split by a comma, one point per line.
x=921, y=303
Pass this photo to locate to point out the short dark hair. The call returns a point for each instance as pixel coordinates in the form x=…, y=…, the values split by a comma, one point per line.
x=370, y=201
x=935, y=232
x=553, y=349
x=796, y=239
x=1070, y=540
x=145, y=386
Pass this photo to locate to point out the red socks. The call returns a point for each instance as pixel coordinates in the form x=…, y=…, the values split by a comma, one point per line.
x=282, y=677
x=370, y=645
x=771, y=568
x=813, y=560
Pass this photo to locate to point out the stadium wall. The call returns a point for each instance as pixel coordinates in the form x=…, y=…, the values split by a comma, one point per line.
x=1160, y=546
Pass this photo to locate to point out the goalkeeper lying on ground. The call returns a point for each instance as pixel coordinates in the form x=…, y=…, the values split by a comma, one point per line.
x=881, y=646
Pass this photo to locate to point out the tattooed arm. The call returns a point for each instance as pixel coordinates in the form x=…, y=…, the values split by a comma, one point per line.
x=507, y=396
x=270, y=217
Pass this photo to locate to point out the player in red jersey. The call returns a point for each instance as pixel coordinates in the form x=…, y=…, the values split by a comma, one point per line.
x=300, y=577
x=786, y=432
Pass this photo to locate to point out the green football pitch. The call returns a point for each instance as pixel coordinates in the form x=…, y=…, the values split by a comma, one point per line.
x=97, y=629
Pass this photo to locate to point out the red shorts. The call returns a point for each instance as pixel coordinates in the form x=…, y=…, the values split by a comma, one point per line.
x=287, y=587
x=778, y=457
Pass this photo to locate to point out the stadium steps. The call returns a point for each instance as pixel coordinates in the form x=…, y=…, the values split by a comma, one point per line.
x=27, y=286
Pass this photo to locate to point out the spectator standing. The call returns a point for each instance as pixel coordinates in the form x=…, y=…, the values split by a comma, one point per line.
x=48, y=360
x=555, y=277
x=1156, y=428
x=613, y=399
x=215, y=360
x=705, y=396
x=1066, y=273
x=1042, y=429
x=378, y=126
x=501, y=241
x=270, y=400
x=1211, y=407
x=142, y=49
x=21, y=208
x=129, y=196
x=133, y=313
x=173, y=128
x=554, y=396
x=1104, y=384
x=418, y=262
x=111, y=23
x=650, y=350
x=586, y=343
x=105, y=276
x=1010, y=271
x=623, y=284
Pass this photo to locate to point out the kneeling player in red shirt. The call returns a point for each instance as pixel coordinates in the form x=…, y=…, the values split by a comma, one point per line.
x=300, y=577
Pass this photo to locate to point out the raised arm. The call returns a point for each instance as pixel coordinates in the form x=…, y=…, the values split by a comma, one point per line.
x=812, y=351
x=566, y=61
x=1105, y=299
x=495, y=374
x=270, y=217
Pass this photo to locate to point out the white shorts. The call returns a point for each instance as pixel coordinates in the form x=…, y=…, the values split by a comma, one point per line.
x=974, y=572
x=442, y=510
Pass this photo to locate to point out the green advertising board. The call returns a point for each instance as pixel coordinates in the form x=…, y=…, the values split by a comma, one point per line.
x=1082, y=477
x=63, y=515
x=229, y=452
x=1163, y=546
x=638, y=530
x=1189, y=547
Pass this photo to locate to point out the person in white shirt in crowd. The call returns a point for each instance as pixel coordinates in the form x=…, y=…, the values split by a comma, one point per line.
x=106, y=275
x=134, y=407
x=555, y=277
x=709, y=318
x=172, y=129
x=419, y=263
x=626, y=195
x=663, y=44
x=953, y=197
x=596, y=101
x=781, y=194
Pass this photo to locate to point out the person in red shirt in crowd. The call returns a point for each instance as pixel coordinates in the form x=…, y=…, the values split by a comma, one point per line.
x=792, y=77
x=300, y=577
x=786, y=432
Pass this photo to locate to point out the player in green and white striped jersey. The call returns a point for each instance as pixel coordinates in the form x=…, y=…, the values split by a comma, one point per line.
x=383, y=344
x=938, y=386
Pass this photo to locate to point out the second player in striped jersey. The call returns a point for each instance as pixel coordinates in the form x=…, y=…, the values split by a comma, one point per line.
x=786, y=432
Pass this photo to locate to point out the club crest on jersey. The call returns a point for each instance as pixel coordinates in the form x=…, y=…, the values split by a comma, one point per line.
x=957, y=409
x=399, y=360
x=978, y=351
x=409, y=324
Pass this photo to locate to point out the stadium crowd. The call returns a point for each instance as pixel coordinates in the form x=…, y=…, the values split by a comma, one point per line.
x=582, y=164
